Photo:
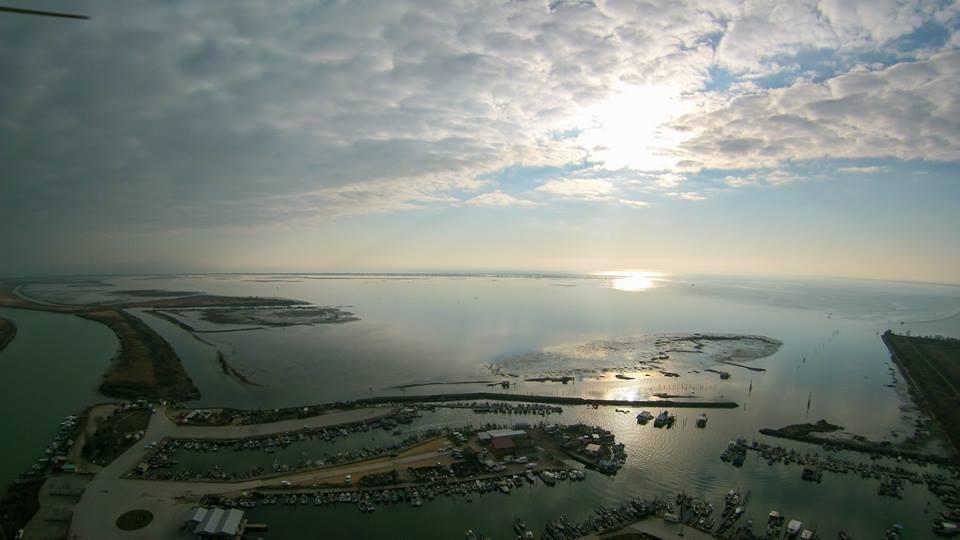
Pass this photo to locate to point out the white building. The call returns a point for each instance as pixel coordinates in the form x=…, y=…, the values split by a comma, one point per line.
x=215, y=522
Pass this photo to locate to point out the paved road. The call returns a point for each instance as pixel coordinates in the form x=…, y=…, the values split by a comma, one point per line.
x=657, y=527
x=108, y=495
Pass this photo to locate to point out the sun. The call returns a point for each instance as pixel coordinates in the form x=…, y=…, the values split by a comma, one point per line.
x=630, y=129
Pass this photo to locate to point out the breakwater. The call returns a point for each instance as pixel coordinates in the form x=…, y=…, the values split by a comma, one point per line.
x=858, y=446
x=560, y=400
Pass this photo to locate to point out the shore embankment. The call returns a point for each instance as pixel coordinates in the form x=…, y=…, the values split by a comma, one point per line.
x=8, y=330
x=931, y=367
x=866, y=447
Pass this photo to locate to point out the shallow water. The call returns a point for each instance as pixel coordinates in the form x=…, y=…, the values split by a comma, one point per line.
x=450, y=328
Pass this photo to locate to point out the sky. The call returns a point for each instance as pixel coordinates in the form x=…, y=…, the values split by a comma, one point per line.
x=740, y=137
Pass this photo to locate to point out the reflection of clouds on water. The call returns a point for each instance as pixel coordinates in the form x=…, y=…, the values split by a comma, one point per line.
x=644, y=352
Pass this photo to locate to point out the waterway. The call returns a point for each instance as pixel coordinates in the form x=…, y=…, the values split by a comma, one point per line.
x=51, y=369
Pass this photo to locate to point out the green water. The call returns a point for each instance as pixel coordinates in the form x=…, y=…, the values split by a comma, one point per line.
x=51, y=369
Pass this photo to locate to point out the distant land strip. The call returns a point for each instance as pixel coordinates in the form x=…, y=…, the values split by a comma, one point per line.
x=7, y=332
x=560, y=400
x=170, y=318
x=402, y=386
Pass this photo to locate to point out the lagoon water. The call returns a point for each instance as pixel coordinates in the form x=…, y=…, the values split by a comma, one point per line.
x=442, y=328
x=51, y=369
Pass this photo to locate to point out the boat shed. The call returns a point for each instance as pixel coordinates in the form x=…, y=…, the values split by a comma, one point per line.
x=507, y=433
x=194, y=517
x=220, y=523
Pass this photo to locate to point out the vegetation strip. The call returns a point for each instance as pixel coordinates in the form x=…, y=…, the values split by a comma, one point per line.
x=146, y=365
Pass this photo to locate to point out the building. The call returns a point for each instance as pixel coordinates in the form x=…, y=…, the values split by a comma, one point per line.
x=516, y=435
x=210, y=523
x=507, y=433
x=502, y=446
x=592, y=449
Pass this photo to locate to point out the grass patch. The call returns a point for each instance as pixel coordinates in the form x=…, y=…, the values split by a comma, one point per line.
x=114, y=435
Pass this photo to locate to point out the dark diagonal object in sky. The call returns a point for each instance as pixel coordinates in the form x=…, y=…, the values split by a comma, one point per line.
x=21, y=11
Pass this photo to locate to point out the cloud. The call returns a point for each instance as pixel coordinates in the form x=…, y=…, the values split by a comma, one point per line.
x=633, y=203
x=578, y=188
x=910, y=110
x=498, y=198
x=686, y=195
x=765, y=177
x=862, y=170
x=184, y=115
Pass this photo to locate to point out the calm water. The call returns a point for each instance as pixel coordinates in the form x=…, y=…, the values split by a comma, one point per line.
x=50, y=370
x=449, y=328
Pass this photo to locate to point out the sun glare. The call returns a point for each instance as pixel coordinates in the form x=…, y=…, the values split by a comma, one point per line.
x=633, y=281
x=629, y=129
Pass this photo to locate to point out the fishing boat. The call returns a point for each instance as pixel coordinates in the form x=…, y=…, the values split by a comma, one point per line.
x=946, y=528
x=644, y=417
x=811, y=474
x=702, y=420
x=661, y=419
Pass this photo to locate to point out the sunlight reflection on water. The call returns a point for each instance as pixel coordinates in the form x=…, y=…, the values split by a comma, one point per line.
x=633, y=281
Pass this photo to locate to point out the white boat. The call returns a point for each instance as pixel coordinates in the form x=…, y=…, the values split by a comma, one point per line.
x=793, y=528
